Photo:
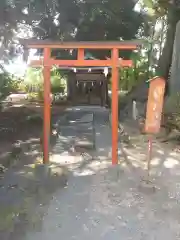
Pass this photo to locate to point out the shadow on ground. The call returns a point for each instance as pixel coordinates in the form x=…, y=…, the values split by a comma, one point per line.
x=24, y=192
x=24, y=183
x=99, y=200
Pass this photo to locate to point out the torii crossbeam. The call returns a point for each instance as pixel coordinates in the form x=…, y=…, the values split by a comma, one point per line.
x=47, y=62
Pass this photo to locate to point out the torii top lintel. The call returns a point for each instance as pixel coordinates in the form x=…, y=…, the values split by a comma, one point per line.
x=47, y=45
x=133, y=44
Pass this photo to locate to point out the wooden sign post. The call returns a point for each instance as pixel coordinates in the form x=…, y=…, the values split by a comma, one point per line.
x=154, y=112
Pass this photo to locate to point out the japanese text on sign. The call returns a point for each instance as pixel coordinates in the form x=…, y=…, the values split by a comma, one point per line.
x=154, y=105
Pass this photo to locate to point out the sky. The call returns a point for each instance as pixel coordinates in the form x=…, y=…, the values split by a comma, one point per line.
x=18, y=67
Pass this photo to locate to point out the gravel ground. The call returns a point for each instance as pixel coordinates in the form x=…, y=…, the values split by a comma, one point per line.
x=105, y=202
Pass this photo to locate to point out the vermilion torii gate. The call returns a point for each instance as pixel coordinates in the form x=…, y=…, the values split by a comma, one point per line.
x=47, y=62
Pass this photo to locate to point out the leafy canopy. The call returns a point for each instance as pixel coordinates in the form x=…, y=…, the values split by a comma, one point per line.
x=66, y=20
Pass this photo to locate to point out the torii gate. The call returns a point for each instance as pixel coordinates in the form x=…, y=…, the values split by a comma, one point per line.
x=47, y=62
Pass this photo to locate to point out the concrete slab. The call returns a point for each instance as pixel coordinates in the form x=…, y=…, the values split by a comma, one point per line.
x=77, y=129
x=87, y=118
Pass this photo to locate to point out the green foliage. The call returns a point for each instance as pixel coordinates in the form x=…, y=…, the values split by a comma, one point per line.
x=8, y=85
x=109, y=20
x=67, y=20
x=130, y=77
x=58, y=82
x=34, y=83
x=5, y=85
x=78, y=20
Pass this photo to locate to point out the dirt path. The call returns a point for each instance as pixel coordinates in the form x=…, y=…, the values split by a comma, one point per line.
x=21, y=183
x=105, y=202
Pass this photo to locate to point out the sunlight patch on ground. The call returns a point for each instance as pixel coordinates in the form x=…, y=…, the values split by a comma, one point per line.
x=31, y=153
x=98, y=165
x=174, y=154
x=64, y=158
x=171, y=163
x=136, y=161
x=28, y=172
x=86, y=172
x=155, y=161
x=32, y=140
x=18, y=105
x=93, y=168
x=160, y=152
x=135, y=155
x=123, y=164
x=130, y=158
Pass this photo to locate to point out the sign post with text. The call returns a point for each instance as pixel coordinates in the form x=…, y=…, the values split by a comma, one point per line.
x=154, y=112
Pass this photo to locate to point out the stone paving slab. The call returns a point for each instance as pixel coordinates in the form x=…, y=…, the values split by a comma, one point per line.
x=87, y=118
x=77, y=129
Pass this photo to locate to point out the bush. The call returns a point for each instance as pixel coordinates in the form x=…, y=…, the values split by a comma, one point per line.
x=8, y=85
x=34, y=82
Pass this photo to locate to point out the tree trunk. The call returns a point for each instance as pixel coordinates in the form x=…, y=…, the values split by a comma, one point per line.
x=174, y=83
x=170, y=59
x=165, y=59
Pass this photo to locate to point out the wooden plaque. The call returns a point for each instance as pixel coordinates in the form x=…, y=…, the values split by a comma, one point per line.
x=90, y=77
x=154, y=105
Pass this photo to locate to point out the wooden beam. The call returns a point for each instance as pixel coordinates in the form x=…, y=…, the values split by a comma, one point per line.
x=47, y=104
x=90, y=77
x=115, y=81
x=82, y=63
x=80, y=54
x=132, y=45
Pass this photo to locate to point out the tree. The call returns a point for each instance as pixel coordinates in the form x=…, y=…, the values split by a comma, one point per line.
x=173, y=16
x=67, y=20
x=170, y=9
x=109, y=20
